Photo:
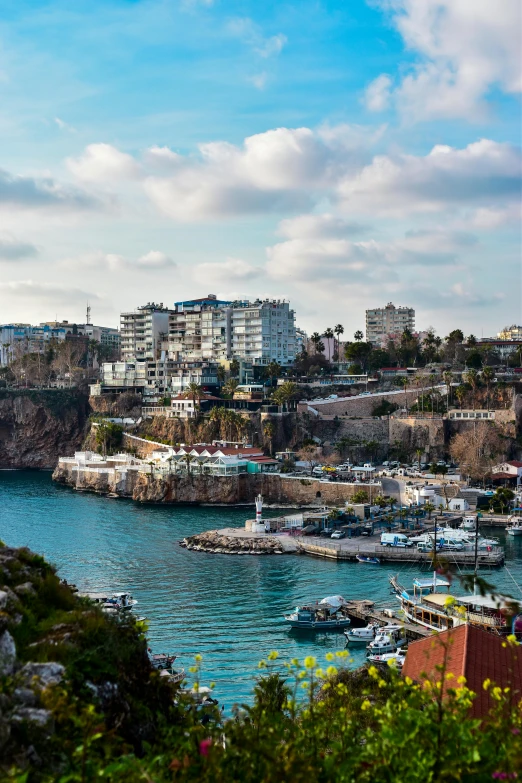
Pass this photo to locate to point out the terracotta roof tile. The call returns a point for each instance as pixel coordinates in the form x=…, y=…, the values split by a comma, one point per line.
x=472, y=652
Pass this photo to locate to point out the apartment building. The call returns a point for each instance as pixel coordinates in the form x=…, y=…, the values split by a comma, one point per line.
x=512, y=332
x=216, y=330
x=384, y=322
x=18, y=339
x=142, y=332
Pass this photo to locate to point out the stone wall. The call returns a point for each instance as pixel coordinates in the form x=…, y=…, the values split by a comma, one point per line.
x=361, y=406
x=139, y=446
x=419, y=433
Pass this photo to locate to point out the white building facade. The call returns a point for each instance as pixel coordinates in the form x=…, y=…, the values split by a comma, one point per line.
x=142, y=332
x=381, y=322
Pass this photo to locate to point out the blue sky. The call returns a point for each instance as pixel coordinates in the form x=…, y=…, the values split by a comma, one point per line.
x=340, y=154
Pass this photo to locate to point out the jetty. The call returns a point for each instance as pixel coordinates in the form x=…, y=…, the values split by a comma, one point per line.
x=348, y=549
x=367, y=612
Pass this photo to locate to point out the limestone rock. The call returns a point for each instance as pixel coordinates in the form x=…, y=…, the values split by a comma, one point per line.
x=46, y=674
x=25, y=589
x=7, y=653
x=43, y=719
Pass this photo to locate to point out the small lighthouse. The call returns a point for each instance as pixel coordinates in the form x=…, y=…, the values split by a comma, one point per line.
x=258, y=526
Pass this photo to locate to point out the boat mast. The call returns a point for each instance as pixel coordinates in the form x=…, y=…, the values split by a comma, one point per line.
x=435, y=558
x=476, y=557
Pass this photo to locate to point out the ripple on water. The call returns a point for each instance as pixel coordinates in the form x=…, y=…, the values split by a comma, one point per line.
x=229, y=609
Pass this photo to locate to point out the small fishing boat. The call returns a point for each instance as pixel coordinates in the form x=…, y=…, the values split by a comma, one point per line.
x=174, y=676
x=362, y=635
x=388, y=639
x=123, y=600
x=370, y=560
x=325, y=615
x=398, y=657
x=514, y=527
x=160, y=661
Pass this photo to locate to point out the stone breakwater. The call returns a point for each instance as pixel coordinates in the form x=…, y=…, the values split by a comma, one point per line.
x=217, y=543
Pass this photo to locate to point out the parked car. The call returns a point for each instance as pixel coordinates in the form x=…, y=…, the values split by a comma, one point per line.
x=327, y=532
x=310, y=530
x=339, y=534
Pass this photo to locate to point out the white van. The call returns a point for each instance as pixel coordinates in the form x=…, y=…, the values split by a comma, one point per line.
x=395, y=539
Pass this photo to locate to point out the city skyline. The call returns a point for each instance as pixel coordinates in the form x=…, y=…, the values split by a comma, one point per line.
x=340, y=158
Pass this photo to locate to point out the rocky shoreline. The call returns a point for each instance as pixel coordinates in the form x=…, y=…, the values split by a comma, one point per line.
x=216, y=543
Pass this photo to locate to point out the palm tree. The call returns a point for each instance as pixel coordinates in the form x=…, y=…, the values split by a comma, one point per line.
x=419, y=452
x=269, y=431
x=447, y=377
x=488, y=373
x=329, y=334
x=221, y=373
x=472, y=379
x=429, y=507
x=195, y=392
x=273, y=371
x=460, y=394
x=358, y=336
x=315, y=339
x=234, y=367
x=285, y=392
x=230, y=386
x=189, y=458
x=339, y=330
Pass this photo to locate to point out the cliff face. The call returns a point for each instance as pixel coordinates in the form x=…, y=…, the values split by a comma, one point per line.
x=36, y=427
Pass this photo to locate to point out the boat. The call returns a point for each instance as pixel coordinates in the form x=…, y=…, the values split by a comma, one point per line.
x=398, y=657
x=426, y=607
x=362, y=635
x=161, y=661
x=469, y=524
x=387, y=640
x=370, y=560
x=123, y=600
x=116, y=601
x=325, y=615
x=174, y=676
x=514, y=527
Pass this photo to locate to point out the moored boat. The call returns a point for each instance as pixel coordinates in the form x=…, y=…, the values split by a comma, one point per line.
x=397, y=657
x=388, y=639
x=514, y=527
x=369, y=560
x=161, y=661
x=325, y=615
x=362, y=635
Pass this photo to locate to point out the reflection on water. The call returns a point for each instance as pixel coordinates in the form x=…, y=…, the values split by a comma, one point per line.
x=228, y=608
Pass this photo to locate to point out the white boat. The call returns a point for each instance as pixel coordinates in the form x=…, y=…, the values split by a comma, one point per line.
x=362, y=635
x=398, y=657
x=123, y=600
x=514, y=527
x=325, y=615
x=173, y=675
x=469, y=524
x=387, y=640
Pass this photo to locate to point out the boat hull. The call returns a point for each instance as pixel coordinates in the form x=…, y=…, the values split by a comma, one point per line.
x=515, y=532
x=325, y=625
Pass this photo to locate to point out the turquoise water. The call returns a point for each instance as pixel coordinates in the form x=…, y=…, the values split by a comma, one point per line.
x=227, y=608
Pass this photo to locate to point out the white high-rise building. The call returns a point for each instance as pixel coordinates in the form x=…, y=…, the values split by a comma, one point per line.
x=389, y=321
x=142, y=332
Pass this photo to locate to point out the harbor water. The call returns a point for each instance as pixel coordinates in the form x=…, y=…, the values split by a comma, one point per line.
x=227, y=608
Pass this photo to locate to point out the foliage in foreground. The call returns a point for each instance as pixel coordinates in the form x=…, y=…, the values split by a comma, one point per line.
x=114, y=719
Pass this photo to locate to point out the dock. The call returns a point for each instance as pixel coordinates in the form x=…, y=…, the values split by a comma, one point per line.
x=368, y=613
x=348, y=549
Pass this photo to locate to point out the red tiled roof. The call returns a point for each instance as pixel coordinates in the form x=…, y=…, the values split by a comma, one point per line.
x=495, y=476
x=473, y=653
x=264, y=460
x=515, y=463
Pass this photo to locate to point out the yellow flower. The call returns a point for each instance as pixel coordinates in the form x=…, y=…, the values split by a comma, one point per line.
x=449, y=601
x=305, y=684
x=372, y=671
x=408, y=681
x=331, y=671
x=301, y=675
x=310, y=662
x=319, y=673
x=198, y=658
x=450, y=675
x=486, y=684
x=496, y=693
x=272, y=655
x=295, y=661
x=329, y=656
x=261, y=665
x=365, y=705
x=462, y=680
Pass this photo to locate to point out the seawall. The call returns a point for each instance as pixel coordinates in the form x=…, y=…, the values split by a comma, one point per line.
x=149, y=488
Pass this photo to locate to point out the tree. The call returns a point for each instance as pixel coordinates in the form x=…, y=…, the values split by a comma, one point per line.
x=221, y=373
x=230, y=386
x=311, y=454
x=195, y=392
x=272, y=371
x=429, y=507
x=339, y=330
x=488, y=373
x=460, y=394
x=476, y=450
x=404, y=381
x=358, y=336
x=358, y=353
x=472, y=379
x=502, y=498
x=234, y=368
x=447, y=377
x=284, y=393
x=109, y=437
x=315, y=339
x=361, y=496
x=268, y=432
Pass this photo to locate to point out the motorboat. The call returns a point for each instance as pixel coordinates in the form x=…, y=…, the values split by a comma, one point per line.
x=161, y=661
x=388, y=639
x=362, y=635
x=116, y=601
x=468, y=524
x=123, y=600
x=514, y=527
x=370, y=560
x=397, y=657
x=174, y=676
x=325, y=615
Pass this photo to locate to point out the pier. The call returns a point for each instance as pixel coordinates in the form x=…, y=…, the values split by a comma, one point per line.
x=366, y=612
x=348, y=549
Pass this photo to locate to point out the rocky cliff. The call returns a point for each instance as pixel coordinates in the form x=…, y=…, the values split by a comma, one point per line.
x=36, y=427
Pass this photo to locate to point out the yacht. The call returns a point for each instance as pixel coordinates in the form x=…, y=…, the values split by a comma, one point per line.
x=325, y=615
x=398, y=657
x=514, y=527
x=424, y=605
x=362, y=635
x=388, y=639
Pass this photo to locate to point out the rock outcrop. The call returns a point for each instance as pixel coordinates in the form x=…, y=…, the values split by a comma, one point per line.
x=215, y=542
x=37, y=427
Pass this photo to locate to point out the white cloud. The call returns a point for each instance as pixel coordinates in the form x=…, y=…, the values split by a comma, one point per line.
x=47, y=296
x=377, y=96
x=64, y=126
x=259, y=80
x=250, y=33
x=12, y=249
x=231, y=271
x=115, y=262
x=316, y=226
x=484, y=173
x=154, y=259
x=103, y=163
x=467, y=47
